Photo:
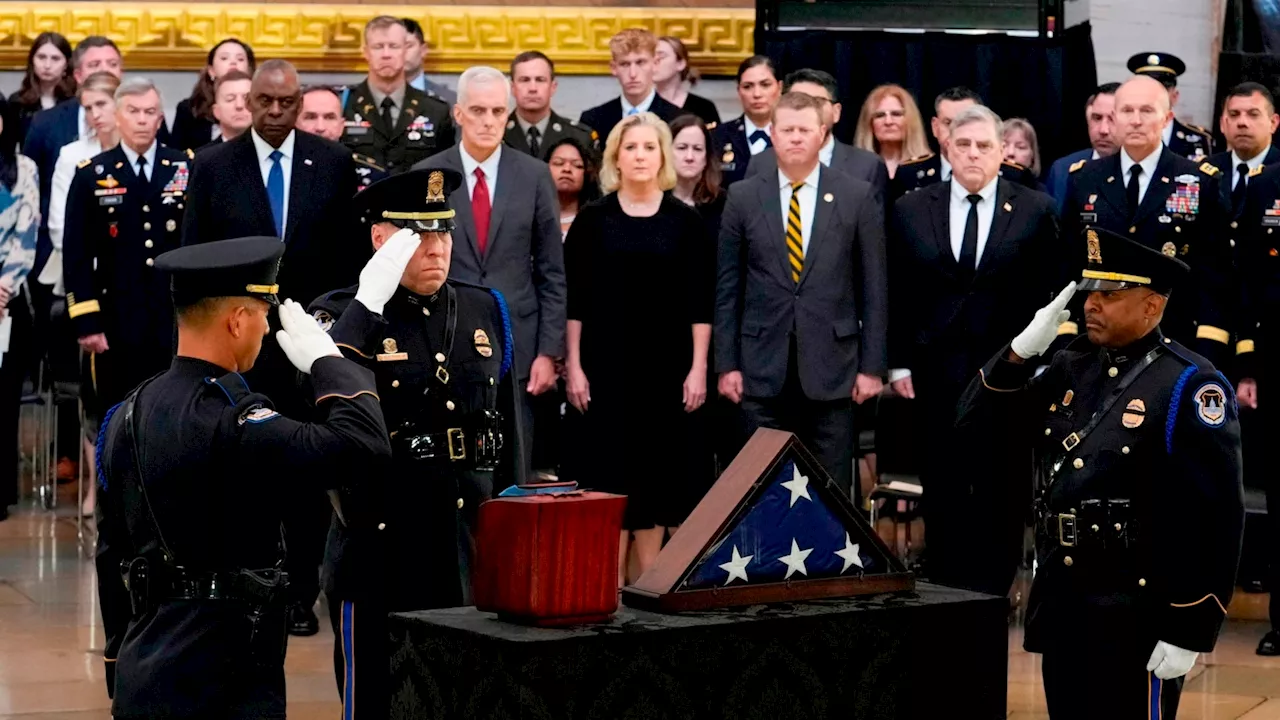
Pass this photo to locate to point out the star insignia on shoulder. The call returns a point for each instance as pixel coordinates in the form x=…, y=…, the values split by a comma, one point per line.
x=1208, y=169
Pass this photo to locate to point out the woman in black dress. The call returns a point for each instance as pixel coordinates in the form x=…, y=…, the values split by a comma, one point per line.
x=671, y=70
x=193, y=121
x=639, y=268
x=47, y=82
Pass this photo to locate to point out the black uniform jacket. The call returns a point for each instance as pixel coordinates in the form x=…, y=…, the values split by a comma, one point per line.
x=423, y=128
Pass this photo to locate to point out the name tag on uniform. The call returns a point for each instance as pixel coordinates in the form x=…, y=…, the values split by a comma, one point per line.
x=1271, y=222
x=357, y=130
x=111, y=200
x=1088, y=217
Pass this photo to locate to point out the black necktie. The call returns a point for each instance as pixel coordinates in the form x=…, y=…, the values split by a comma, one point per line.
x=1131, y=191
x=535, y=148
x=1237, y=192
x=387, y=104
x=969, y=247
x=142, y=169
x=761, y=135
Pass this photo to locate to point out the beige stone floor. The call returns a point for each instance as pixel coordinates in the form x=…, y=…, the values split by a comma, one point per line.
x=51, y=641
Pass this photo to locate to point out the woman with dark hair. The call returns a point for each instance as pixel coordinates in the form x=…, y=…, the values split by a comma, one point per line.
x=193, y=123
x=671, y=71
x=19, y=221
x=575, y=169
x=697, y=170
x=48, y=80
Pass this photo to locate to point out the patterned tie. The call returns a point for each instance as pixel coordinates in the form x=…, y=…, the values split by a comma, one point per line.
x=275, y=191
x=480, y=209
x=795, y=234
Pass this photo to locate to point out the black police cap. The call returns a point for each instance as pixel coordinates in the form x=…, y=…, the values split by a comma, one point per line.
x=241, y=267
x=418, y=200
x=1114, y=262
x=1161, y=66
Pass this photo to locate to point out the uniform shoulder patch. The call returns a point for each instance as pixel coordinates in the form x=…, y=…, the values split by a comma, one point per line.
x=1076, y=165
x=1256, y=171
x=84, y=163
x=257, y=414
x=1197, y=128
x=1211, y=404
x=1208, y=169
x=323, y=319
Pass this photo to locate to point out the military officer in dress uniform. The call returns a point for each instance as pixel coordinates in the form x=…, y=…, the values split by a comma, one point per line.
x=557, y=128
x=387, y=119
x=1139, y=510
x=749, y=134
x=440, y=351
x=534, y=126
x=1166, y=202
x=200, y=553
x=1189, y=141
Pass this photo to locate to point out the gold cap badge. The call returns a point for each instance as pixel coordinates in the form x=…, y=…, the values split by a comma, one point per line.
x=389, y=346
x=1095, y=246
x=435, y=187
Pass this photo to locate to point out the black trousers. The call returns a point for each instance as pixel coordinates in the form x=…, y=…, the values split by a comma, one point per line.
x=306, y=530
x=361, y=657
x=824, y=426
x=1084, y=683
x=13, y=369
x=1268, y=421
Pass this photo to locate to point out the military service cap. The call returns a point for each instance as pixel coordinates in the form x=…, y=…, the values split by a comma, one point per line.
x=1114, y=262
x=241, y=267
x=1161, y=66
x=418, y=200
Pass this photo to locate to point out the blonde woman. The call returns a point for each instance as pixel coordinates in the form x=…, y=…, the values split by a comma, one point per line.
x=1020, y=144
x=638, y=264
x=890, y=126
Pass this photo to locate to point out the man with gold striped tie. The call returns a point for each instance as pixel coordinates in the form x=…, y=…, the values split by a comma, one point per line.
x=802, y=296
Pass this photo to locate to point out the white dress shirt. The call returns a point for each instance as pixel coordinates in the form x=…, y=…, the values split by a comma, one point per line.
x=960, y=216
x=945, y=168
x=757, y=146
x=808, y=203
x=1148, y=165
x=1253, y=164
x=264, y=151
x=642, y=107
x=1166, y=135
x=64, y=171
x=82, y=122
x=490, y=167
x=828, y=151
x=132, y=158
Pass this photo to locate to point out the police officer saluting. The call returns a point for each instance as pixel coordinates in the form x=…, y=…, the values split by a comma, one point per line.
x=1139, y=508
x=439, y=350
x=197, y=469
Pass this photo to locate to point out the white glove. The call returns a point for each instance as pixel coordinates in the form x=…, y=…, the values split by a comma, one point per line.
x=1042, y=331
x=301, y=338
x=1170, y=661
x=381, y=275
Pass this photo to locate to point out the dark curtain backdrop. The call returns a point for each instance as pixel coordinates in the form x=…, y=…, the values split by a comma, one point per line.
x=1250, y=51
x=1045, y=81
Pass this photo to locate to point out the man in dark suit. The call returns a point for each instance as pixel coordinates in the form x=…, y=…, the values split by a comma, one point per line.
x=741, y=139
x=386, y=119
x=633, y=53
x=1100, y=115
x=1149, y=193
x=1248, y=121
x=536, y=126
x=321, y=115
x=970, y=263
x=296, y=186
x=854, y=162
x=508, y=235
x=801, y=317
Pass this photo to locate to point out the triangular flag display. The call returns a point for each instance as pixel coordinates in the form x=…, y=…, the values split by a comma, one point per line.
x=774, y=528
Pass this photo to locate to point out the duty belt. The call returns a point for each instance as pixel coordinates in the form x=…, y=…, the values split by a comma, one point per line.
x=1097, y=524
x=149, y=585
x=449, y=445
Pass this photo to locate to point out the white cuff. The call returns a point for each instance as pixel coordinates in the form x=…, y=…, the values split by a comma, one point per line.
x=897, y=374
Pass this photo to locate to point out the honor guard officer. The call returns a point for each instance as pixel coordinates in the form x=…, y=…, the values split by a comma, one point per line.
x=1139, y=509
x=200, y=557
x=385, y=118
x=534, y=126
x=440, y=350
x=1168, y=203
x=1189, y=141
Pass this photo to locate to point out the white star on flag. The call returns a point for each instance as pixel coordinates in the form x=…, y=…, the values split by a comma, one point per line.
x=795, y=561
x=798, y=485
x=737, y=567
x=850, y=554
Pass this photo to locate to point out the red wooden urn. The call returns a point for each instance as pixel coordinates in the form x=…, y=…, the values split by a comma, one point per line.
x=549, y=559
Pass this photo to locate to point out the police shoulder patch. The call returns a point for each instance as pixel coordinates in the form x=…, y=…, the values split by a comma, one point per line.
x=84, y=163
x=258, y=414
x=1076, y=165
x=323, y=319
x=1211, y=404
x=1208, y=169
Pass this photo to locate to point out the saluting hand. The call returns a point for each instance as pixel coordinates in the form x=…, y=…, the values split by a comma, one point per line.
x=381, y=275
x=1043, y=330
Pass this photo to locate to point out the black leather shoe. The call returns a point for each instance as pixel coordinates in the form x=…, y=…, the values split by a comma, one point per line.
x=303, y=621
x=1254, y=586
x=1270, y=645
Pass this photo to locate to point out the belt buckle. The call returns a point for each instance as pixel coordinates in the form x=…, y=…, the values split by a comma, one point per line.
x=1071, y=441
x=1067, y=529
x=457, y=444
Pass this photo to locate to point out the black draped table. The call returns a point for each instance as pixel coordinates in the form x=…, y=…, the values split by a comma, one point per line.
x=934, y=652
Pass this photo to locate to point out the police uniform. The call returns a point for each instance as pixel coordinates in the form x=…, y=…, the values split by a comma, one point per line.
x=368, y=171
x=558, y=128
x=1181, y=215
x=439, y=362
x=1184, y=139
x=1139, y=511
x=196, y=470
x=729, y=139
x=117, y=223
x=423, y=128
x=925, y=170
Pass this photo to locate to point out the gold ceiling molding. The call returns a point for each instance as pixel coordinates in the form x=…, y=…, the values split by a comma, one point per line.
x=175, y=36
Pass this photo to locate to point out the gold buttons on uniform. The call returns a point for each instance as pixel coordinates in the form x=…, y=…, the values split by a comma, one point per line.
x=148, y=244
x=1117, y=527
x=460, y=503
x=1142, y=582
x=426, y=312
x=395, y=383
x=1077, y=463
x=1067, y=561
x=449, y=405
x=1177, y=228
x=1112, y=372
x=1125, y=449
x=146, y=226
x=1047, y=432
x=146, y=208
x=382, y=526
x=490, y=381
x=1133, y=229
x=150, y=262
x=1234, y=224
x=439, y=357
x=1094, y=528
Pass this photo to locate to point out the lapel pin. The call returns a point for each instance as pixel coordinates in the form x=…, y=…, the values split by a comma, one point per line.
x=1008, y=207
x=164, y=163
x=1111, y=178
x=1164, y=179
x=828, y=197
x=306, y=161
x=1093, y=198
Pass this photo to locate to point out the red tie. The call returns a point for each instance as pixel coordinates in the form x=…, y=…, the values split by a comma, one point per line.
x=480, y=209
